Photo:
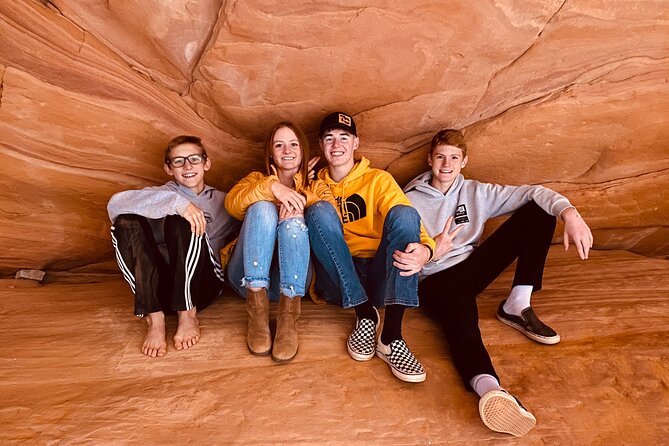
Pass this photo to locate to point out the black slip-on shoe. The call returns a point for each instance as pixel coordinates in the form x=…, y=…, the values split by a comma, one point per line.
x=529, y=324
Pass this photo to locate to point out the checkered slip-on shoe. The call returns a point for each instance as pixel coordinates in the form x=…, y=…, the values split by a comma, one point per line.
x=402, y=362
x=361, y=341
x=528, y=324
x=502, y=412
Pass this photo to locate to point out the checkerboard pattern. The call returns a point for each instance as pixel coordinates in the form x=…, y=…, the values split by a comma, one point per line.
x=402, y=362
x=362, y=340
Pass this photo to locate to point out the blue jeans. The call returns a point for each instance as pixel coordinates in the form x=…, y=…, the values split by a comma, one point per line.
x=348, y=281
x=253, y=263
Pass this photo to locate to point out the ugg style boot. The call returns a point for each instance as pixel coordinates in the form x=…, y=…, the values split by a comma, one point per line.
x=258, y=338
x=285, y=342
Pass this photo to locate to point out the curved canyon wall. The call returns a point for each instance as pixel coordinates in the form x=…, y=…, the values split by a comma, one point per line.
x=574, y=95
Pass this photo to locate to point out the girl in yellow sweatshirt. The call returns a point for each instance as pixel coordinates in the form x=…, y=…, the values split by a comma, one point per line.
x=271, y=256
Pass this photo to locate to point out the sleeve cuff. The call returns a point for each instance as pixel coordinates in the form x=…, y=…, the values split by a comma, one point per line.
x=431, y=253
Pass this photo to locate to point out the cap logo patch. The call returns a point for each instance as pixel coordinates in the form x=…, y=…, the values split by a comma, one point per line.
x=344, y=119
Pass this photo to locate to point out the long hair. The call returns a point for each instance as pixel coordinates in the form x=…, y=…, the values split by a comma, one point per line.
x=304, y=148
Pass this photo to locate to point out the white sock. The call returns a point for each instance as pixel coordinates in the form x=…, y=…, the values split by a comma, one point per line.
x=518, y=300
x=484, y=383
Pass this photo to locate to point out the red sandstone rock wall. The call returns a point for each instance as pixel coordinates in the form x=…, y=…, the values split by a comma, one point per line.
x=571, y=94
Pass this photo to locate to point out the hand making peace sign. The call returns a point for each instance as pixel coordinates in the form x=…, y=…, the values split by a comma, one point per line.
x=445, y=239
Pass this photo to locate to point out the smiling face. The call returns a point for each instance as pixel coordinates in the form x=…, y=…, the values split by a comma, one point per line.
x=338, y=146
x=446, y=162
x=286, y=150
x=189, y=175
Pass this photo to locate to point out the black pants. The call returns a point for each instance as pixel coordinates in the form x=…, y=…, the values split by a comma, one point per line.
x=449, y=296
x=187, y=278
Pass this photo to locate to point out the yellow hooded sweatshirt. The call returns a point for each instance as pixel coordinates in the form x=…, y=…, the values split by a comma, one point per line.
x=364, y=198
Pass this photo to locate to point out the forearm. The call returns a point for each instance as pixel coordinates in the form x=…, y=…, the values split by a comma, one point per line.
x=149, y=203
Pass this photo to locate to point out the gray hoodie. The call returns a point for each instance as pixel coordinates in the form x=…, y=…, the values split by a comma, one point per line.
x=471, y=203
x=171, y=198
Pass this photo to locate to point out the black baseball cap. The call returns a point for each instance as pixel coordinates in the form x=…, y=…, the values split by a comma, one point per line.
x=337, y=120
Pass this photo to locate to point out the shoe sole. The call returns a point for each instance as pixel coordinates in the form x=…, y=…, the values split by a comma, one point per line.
x=283, y=361
x=254, y=353
x=535, y=337
x=358, y=356
x=399, y=375
x=501, y=412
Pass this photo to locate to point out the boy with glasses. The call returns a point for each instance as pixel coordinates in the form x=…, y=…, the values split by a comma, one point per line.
x=167, y=241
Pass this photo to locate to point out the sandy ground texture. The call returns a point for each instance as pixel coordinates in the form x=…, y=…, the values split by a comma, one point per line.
x=71, y=370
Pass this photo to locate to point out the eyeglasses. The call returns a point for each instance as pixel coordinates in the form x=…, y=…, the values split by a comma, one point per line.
x=180, y=161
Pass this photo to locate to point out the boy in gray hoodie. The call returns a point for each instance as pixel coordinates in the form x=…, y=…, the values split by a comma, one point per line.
x=461, y=268
x=167, y=241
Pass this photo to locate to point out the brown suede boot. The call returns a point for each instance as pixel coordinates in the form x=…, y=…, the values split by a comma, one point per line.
x=258, y=338
x=285, y=342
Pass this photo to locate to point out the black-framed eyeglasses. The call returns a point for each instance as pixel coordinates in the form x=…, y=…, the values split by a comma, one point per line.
x=180, y=161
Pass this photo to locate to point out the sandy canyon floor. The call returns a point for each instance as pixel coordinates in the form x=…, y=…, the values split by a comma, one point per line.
x=71, y=370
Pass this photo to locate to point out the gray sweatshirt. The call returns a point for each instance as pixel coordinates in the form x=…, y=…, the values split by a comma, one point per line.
x=471, y=203
x=171, y=198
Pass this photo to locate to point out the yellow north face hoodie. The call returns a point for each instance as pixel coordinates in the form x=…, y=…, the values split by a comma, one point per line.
x=364, y=198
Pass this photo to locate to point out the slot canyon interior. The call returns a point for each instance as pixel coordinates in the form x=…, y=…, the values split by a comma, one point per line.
x=572, y=95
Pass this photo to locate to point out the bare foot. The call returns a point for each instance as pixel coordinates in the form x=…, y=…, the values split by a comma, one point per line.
x=155, y=344
x=188, y=330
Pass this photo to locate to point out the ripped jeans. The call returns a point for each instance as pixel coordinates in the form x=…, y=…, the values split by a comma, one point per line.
x=270, y=254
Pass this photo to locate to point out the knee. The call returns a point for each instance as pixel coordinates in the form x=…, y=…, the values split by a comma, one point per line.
x=176, y=224
x=403, y=216
x=292, y=228
x=534, y=213
x=263, y=213
x=322, y=212
x=127, y=221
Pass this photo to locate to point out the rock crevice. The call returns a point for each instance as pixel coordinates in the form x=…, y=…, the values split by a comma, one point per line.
x=573, y=95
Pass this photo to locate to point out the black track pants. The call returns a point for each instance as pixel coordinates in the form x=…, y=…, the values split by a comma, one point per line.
x=190, y=277
x=449, y=296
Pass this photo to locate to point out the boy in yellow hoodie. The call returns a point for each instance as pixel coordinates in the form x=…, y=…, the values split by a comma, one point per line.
x=369, y=250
